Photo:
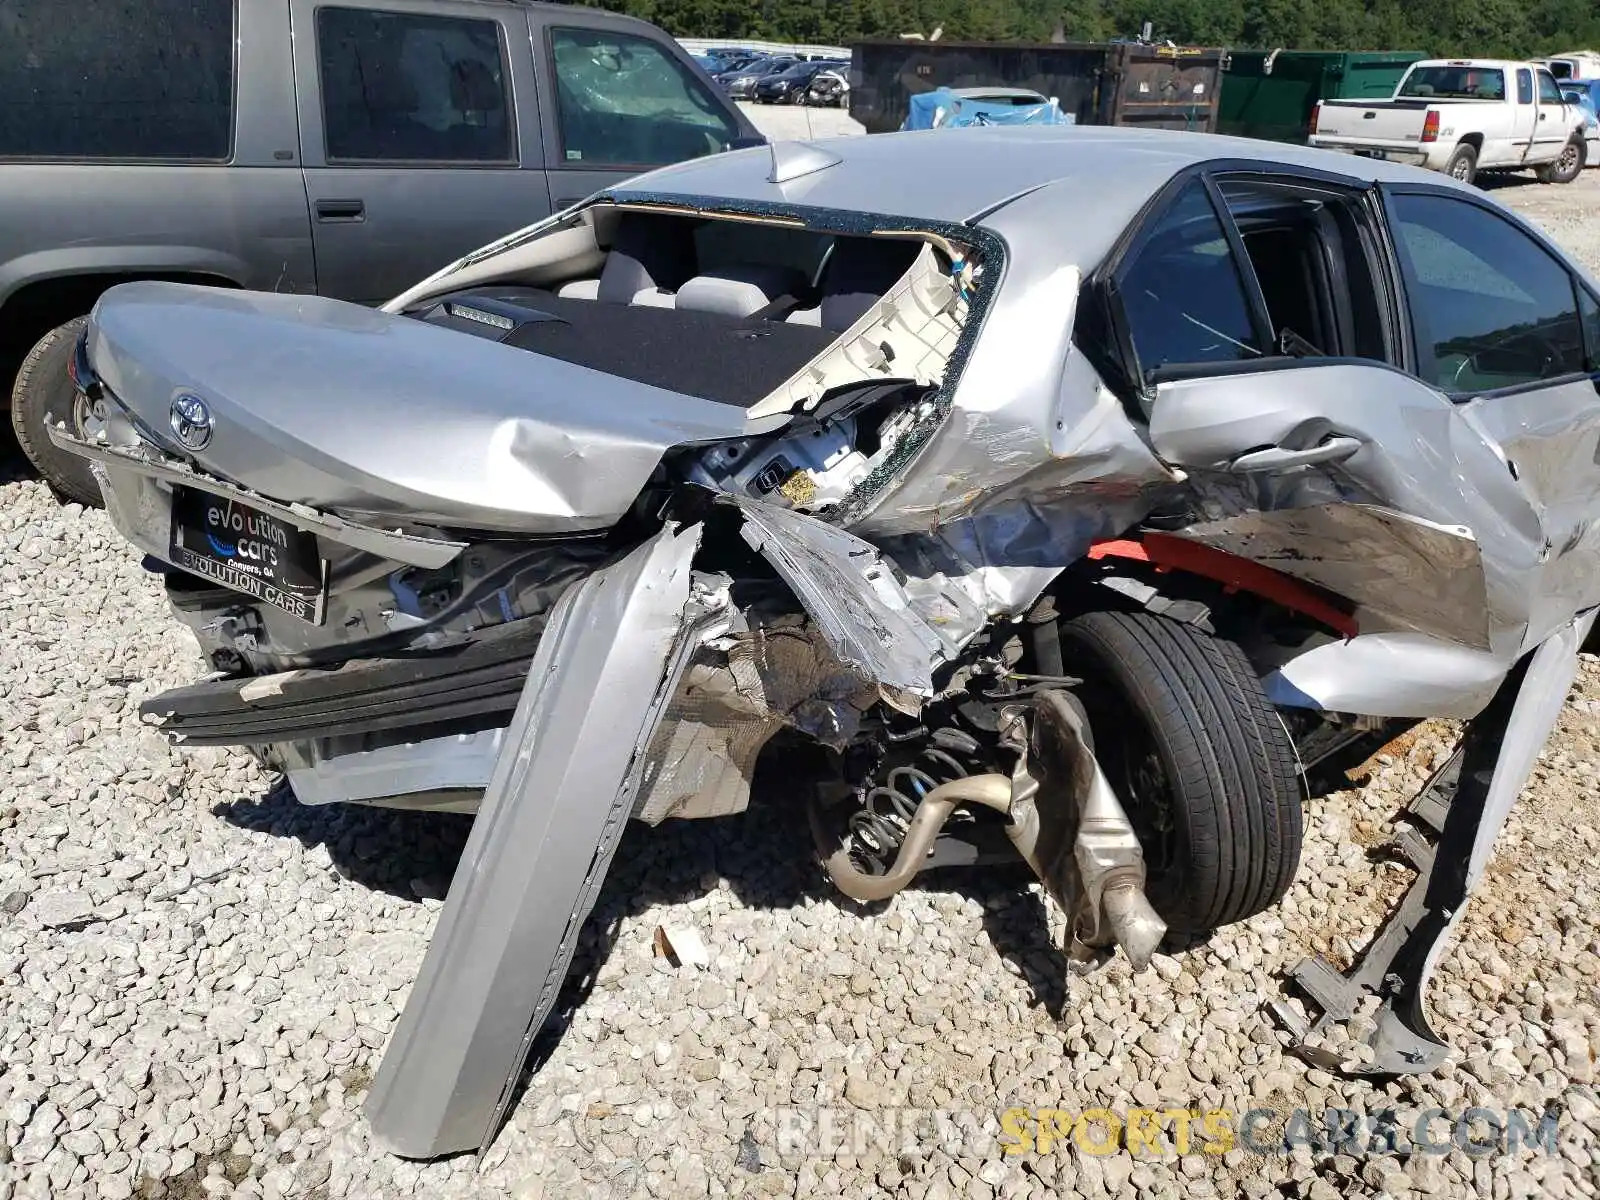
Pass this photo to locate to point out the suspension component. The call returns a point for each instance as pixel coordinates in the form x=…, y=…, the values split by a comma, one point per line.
x=935, y=808
x=878, y=829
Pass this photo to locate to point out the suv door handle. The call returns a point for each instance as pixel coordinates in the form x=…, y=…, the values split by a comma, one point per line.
x=1279, y=458
x=341, y=210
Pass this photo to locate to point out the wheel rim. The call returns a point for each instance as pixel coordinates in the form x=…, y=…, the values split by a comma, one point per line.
x=1460, y=169
x=1568, y=159
x=83, y=423
x=1134, y=768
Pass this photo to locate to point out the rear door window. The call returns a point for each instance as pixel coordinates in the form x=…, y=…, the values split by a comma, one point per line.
x=1490, y=307
x=626, y=101
x=404, y=87
x=1182, y=292
x=117, y=79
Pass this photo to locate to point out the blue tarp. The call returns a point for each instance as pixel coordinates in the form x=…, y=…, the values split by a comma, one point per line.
x=943, y=109
x=1587, y=94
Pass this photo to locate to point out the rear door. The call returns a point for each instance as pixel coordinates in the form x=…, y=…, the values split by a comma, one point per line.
x=1330, y=462
x=618, y=97
x=420, y=133
x=1512, y=337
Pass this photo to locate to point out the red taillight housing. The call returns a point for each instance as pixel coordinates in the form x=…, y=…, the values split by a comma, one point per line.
x=1316, y=115
x=1430, y=126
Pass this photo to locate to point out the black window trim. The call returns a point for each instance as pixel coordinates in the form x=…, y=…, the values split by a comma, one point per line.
x=507, y=86
x=227, y=158
x=1405, y=281
x=1110, y=348
x=557, y=159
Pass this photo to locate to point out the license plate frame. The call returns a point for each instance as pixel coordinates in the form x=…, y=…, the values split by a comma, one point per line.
x=251, y=552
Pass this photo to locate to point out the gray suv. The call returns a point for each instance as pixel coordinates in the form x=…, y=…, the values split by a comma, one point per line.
x=344, y=148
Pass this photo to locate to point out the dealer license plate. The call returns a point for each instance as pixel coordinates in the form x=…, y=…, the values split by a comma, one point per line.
x=248, y=551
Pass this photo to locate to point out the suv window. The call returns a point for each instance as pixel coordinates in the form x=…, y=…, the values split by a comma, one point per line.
x=1182, y=292
x=1490, y=307
x=626, y=100
x=1549, y=93
x=402, y=87
x=109, y=79
x=1524, y=86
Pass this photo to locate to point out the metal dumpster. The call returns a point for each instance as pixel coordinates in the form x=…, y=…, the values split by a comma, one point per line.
x=1270, y=93
x=1097, y=83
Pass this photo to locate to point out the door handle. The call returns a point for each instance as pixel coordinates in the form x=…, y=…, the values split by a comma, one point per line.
x=1543, y=115
x=1280, y=458
x=341, y=210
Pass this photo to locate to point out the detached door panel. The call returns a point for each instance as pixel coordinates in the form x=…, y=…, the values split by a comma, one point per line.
x=416, y=122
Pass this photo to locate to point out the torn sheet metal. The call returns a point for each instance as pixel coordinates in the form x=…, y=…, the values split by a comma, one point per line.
x=847, y=587
x=1418, y=456
x=561, y=793
x=1404, y=572
x=1070, y=471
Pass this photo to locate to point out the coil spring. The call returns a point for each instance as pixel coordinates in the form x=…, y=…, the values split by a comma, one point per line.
x=879, y=827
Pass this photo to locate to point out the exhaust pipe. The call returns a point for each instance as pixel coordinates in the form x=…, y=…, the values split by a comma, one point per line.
x=992, y=791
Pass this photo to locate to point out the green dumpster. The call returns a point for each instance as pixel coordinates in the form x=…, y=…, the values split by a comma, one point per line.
x=1270, y=93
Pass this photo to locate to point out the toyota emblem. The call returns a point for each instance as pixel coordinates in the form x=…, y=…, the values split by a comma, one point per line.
x=191, y=421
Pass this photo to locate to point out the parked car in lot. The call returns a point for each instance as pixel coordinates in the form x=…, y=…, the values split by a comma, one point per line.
x=1078, y=507
x=1463, y=116
x=788, y=85
x=286, y=145
x=740, y=83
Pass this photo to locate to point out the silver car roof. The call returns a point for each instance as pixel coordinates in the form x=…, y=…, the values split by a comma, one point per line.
x=1102, y=176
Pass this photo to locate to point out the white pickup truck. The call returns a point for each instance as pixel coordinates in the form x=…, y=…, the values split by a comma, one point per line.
x=1463, y=116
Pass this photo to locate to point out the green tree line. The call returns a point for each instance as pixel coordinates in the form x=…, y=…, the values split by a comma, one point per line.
x=1510, y=28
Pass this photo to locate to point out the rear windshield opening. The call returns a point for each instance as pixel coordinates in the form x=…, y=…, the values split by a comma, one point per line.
x=740, y=311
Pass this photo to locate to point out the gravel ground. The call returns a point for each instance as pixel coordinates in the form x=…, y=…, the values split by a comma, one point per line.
x=197, y=976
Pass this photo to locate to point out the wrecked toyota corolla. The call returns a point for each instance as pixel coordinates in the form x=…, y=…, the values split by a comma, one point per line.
x=1077, y=503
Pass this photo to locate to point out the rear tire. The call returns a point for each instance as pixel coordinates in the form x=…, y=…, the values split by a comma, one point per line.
x=1569, y=166
x=44, y=396
x=1463, y=164
x=1199, y=759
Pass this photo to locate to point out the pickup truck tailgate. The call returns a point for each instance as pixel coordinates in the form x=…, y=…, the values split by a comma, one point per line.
x=1372, y=123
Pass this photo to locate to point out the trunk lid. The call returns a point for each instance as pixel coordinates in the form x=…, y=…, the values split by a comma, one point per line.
x=340, y=407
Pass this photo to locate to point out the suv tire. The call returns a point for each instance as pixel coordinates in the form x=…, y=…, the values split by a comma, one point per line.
x=43, y=396
x=1463, y=164
x=1569, y=166
x=1200, y=760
